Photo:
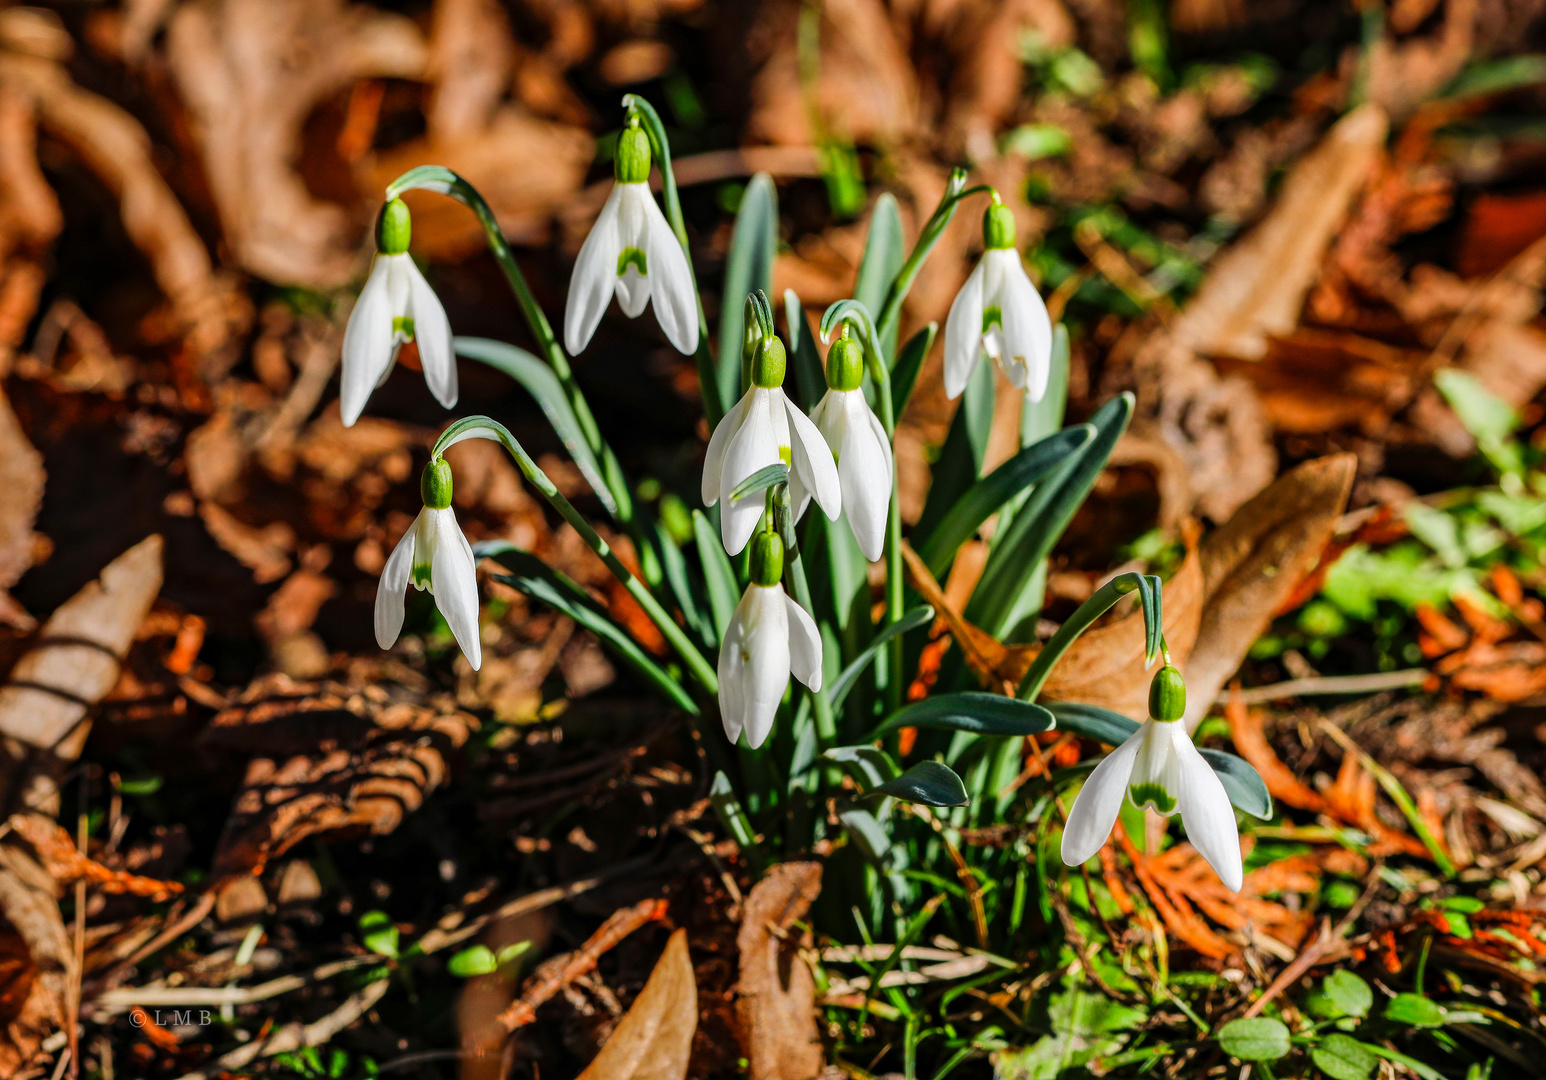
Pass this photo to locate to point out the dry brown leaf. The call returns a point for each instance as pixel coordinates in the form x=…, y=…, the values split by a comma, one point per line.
x=35, y=959
x=1257, y=287
x=776, y=996
x=1105, y=665
x=1251, y=564
x=251, y=72
x=326, y=761
x=471, y=55
x=995, y=663
x=72, y=665
x=21, y=478
x=66, y=863
x=654, y=1040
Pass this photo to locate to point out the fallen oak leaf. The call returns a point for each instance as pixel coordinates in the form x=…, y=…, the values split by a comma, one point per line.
x=1253, y=561
x=654, y=1040
x=776, y=994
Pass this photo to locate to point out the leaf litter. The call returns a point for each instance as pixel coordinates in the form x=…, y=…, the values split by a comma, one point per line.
x=203, y=746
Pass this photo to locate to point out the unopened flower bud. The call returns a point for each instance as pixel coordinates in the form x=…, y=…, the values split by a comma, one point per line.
x=632, y=164
x=435, y=484
x=769, y=363
x=1167, y=695
x=393, y=228
x=998, y=227
x=845, y=364
x=767, y=559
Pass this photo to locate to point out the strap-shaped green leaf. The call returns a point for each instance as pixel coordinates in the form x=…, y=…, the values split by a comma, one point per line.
x=732, y=815
x=544, y=387
x=971, y=711
x=980, y=501
x=904, y=376
x=748, y=267
x=1103, y=600
x=809, y=374
x=918, y=616
x=869, y=764
x=540, y=581
x=960, y=459
x=927, y=783
x=718, y=574
x=1040, y=523
x=1092, y=722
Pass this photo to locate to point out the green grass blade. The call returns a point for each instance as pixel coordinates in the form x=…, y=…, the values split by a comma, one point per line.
x=809, y=373
x=838, y=690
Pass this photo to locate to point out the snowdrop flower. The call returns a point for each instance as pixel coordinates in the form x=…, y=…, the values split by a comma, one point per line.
x=999, y=311
x=632, y=251
x=1158, y=766
x=434, y=555
x=396, y=305
x=762, y=429
x=859, y=444
x=769, y=637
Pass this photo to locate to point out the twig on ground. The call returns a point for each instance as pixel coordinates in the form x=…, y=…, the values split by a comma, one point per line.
x=1332, y=684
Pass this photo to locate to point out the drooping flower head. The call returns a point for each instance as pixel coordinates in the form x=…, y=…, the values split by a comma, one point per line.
x=632, y=252
x=859, y=444
x=396, y=306
x=998, y=311
x=1158, y=767
x=769, y=637
x=433, y=554
x=762, y=429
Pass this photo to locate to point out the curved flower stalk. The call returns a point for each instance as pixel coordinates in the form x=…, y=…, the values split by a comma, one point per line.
x=769, y=638
x=1158, y=767
x=433, y=554
x=631, y=251
x=396, y=306
x=998, y=311
x=762, y=429
x=859, y=445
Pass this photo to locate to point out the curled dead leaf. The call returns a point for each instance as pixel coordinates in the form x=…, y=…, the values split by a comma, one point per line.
x=776, y=996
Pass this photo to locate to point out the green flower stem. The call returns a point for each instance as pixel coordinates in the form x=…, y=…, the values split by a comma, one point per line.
x=1104, y=600
x=955, y=191
x=445, y=182
x=481, y=427
x=660, y=148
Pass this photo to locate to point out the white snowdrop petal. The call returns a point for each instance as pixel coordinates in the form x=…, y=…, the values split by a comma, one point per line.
x=389, y=592
x=1096, y=807
x=432, y=331
x=811, y=460
x=864, y=469
x=595, y=271
x=767, y=675
x=732, y=673
x=804, y=645
x=633, y=291
x=963, y=334
x=754, y=447
x=670, y=280
x=454, y=581
x=1027, y=329
x=1206, y=811
x=719, y=442
x=367, y=349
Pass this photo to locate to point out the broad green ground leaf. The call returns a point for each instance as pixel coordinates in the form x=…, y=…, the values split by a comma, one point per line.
x=1258, y=1038
x=1342, y=1057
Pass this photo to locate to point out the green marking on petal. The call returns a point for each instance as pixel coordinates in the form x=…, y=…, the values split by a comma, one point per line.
x=420, y=575
x=402, y=326
x=1152, y=795
x=786, y=455
x=631, y=256
x=990, y=317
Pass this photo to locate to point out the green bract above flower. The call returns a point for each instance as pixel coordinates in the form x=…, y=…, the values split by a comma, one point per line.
x=433, y=554
x=631, y=251
x=999, y=311
x=1158, y=766
x=769, y=637
x=396, y=305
